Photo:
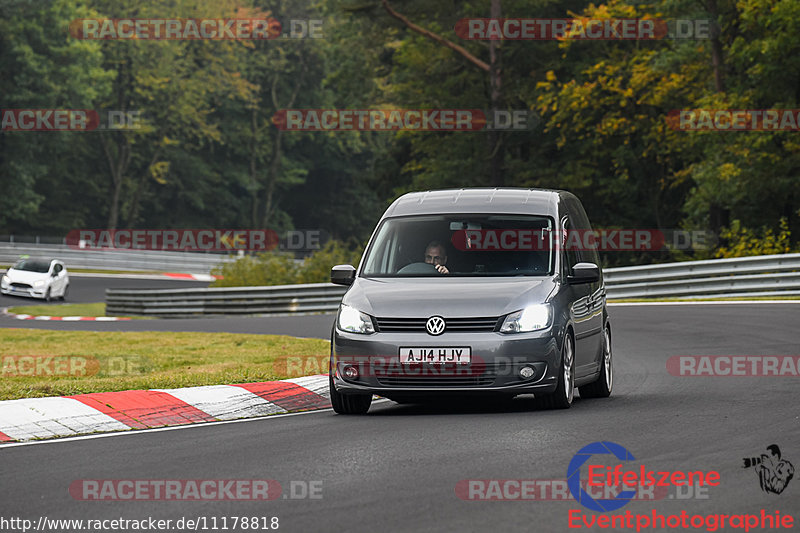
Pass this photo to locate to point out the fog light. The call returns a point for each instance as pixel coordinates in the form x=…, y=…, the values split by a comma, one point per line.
x=350, y=372
x=526, y=372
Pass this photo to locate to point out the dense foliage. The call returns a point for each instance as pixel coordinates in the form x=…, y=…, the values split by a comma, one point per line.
x=276, y=268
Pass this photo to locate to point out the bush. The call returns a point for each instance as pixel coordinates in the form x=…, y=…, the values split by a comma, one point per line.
x=317, y=267
x=741, y=242
x=268, y=268
x=275, y=268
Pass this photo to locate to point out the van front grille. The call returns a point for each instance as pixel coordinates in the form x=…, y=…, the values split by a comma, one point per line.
x=417, y=325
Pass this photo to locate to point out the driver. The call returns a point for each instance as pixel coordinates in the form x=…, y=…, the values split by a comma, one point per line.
x=436, y=255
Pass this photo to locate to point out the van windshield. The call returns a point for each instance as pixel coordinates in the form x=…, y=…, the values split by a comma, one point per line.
x=462, y=245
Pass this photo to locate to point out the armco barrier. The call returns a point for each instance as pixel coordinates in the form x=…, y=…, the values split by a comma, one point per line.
x=191, y=262
x=763, y=275
x=771, y=275
x=275, y=300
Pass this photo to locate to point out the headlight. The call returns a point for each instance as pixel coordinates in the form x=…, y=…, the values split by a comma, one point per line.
x=353, y=320
x=6, y=280
x=39, y=283
x=531, y=318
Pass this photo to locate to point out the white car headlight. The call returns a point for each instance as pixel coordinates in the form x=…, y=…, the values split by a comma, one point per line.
x=353, y=320
x=39, y=283
x=532, y=318
x=6, y=280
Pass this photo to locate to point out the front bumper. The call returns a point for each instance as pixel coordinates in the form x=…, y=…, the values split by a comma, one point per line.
x=30, y=293
x=496, y=361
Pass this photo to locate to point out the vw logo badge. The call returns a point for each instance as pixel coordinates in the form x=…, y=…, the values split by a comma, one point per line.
x=435, y=325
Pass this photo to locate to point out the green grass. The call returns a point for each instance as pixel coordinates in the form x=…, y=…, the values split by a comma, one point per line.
x=88, y=361
x=94, y=309
x=733, y=299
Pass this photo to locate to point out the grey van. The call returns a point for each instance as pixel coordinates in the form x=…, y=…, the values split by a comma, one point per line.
x=473, y=292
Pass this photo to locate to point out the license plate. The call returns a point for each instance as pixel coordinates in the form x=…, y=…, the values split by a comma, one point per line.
x=437, y=355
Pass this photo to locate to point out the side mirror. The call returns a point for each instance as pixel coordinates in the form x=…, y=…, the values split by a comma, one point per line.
x=54, y=274
x=343, y=274
x=584, y=273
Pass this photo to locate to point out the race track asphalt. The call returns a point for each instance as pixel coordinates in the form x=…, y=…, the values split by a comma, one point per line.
x=397, y=468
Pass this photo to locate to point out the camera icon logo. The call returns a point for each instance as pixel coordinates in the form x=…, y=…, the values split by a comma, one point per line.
x=774, y=472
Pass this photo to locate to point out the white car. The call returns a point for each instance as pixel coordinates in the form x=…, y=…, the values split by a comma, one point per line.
x=37, y=278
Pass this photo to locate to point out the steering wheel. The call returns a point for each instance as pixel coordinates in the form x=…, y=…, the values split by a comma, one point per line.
x=418, y=268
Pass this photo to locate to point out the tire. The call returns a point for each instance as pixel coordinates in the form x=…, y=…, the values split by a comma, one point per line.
x=565, y=390
x=47, y=297
x=605, y=382
x=349, y=404
x=64, y=295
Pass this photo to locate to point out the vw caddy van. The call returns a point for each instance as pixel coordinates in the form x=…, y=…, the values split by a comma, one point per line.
x=473, y=292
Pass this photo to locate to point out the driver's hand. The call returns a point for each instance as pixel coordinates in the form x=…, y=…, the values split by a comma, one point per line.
x=442, y=269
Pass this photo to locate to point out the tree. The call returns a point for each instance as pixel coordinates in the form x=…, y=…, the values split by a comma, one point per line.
x=44, y=68
x=172, y=84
